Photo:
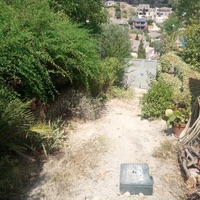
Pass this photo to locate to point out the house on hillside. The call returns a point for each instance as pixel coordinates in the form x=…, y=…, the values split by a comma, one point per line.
x=158, y=14
x=142, y=10
x=162, y=14
x=140, y=23
x=109, y=3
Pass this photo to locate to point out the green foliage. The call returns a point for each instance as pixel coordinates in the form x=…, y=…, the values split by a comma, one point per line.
x=171, y=24
x=141, y=51
x=41, y=50
x=43, y=139
x=15, y=121
x=115, y=42
x=158, y=46
x=150, y=21
x=20, y=140
x=89, y=13
x=156, y=100
x=171, y=63
x=191, y=52
x=180, y=116
x=112, y=73
x=188, y=11
x=118, y=15
x=169, y=43
x=19, y=67
x=14, y=171
x=124, y=13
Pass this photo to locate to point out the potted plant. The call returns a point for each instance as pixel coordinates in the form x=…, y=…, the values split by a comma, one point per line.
x=176, y=119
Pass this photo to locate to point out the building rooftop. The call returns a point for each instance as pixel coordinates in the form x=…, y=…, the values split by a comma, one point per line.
x=140, y=20
x=154, y=35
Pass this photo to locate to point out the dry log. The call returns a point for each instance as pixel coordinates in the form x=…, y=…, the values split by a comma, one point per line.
x=192, y=179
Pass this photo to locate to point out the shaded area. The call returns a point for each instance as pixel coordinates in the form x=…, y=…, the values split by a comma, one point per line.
x=194, y=87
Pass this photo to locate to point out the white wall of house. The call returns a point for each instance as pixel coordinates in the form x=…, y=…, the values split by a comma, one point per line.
x=109, y=3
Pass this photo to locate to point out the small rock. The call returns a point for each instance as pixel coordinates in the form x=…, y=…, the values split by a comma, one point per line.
x=127, y=194
x=141, y=194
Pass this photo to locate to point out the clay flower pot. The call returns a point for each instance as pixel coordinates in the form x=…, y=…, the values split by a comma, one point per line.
x=45, y=108
x=38, y=102
x=178, y=128
x=33, y=106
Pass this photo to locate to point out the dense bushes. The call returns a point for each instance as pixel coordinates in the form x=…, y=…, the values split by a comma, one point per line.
x=173, y=88
x=41, y=50
x=156, y=100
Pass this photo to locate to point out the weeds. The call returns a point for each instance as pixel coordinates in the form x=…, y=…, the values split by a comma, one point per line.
x=166, y=149
x=74, y=104
x=120, y=93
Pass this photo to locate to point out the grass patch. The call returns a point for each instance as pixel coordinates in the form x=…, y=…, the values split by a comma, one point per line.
x=80, y=162
x=120, y=93
x=165, y=150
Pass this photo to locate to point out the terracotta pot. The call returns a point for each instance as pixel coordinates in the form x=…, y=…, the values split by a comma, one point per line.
x=33, y=106
x=45, y=108
x=38, y=102
x=178, y=128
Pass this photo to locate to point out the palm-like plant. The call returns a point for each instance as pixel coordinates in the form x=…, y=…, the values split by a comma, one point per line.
x=19, y=137
x=15, y=121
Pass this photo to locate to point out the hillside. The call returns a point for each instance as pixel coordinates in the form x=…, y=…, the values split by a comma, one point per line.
x=157, y=3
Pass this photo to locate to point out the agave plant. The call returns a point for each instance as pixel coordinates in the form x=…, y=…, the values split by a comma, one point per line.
x=20, y=139
x=15, y=121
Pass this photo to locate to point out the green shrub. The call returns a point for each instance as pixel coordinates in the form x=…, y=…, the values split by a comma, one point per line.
x=156, y=100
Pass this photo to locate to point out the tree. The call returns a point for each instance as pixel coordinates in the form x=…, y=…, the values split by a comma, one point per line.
x=191, y=52
x=141, y=51
x=171, y=24
x=115, y=42
x=90, y=13
x=41, y=49
x=137, y=37
x=118, y=11
x=158, y=46
x=187, y=11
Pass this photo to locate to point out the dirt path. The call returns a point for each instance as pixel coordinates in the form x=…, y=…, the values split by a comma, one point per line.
x=91, y=169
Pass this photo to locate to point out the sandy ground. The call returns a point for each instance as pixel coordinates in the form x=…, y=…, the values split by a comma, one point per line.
x=89, y=165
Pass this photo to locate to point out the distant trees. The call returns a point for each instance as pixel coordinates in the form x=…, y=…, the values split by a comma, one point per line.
x=153, y=3
x=191, y=52
x=141, y=51
x=188, y=15
x=187, y=11
x=115, y=42
x=118, y=11
x=89, y=13
x=171, y=24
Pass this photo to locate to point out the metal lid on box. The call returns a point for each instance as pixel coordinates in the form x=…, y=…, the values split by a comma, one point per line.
x=135, y=178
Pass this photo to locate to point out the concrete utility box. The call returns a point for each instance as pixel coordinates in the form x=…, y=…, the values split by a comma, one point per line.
x=135, y=179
